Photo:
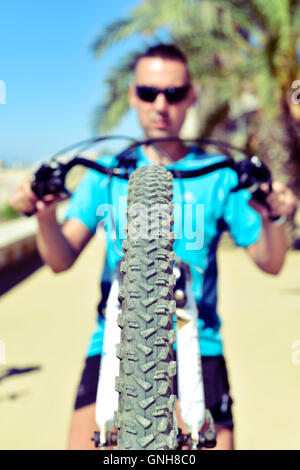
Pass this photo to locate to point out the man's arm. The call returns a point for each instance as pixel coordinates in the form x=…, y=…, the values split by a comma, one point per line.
x=58, y=246
x=270, y=250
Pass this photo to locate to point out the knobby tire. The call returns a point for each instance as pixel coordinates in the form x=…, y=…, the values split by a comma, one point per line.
x=145, y=384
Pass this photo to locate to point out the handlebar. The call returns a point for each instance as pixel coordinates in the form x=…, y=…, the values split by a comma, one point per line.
x=251, y=171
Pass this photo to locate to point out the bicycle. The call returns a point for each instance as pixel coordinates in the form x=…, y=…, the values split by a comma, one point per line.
x=145, y=385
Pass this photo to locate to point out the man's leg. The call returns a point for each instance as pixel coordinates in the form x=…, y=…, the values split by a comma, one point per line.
x=83, y=425
x=83, y=422
x=225, y=439
x=218, y=400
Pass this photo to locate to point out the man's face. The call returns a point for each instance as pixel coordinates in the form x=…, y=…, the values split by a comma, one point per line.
x=161, y=118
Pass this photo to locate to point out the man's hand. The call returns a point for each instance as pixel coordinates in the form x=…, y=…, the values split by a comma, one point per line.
x=282, y=201
x=24, y=200
x=270, y=250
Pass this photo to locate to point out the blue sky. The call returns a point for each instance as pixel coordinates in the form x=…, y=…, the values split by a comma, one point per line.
x=53, y=81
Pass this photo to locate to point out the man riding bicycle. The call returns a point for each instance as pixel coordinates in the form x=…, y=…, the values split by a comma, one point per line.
x=161, y=94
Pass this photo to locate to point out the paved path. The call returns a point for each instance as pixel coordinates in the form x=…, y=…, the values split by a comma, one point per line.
x=261, y=315
x=46, y=321
x=45, y=324
x=17, y=237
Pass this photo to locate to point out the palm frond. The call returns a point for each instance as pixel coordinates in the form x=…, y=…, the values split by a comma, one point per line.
x=115, y=103
x=113, y=33
x=108, y=115
x=295, y=17
x=275, y=15
x=217, y=37
x=268, y=91
x=238, y=11
x=145, y=19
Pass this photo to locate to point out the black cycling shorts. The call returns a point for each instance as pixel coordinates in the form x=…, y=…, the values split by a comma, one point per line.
x=216, y=387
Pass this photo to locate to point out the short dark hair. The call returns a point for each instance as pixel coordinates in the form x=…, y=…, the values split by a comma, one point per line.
x=163, y=51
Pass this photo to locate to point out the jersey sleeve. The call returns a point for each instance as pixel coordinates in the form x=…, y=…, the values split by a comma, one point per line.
x=243, y=222
x=86, y=201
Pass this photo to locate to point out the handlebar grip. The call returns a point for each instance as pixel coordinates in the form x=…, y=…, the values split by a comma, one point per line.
x=260, y=196
x=48, y=179
x=28, y=214
x=34, y=188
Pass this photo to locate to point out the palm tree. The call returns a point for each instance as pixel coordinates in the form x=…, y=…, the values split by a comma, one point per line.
x=234, y=47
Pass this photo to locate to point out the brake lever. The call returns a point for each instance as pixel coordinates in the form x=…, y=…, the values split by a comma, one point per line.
x=49, y=179
x=251, y=174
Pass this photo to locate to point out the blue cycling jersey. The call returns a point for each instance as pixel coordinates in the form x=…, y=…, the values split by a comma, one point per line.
x=204, y=207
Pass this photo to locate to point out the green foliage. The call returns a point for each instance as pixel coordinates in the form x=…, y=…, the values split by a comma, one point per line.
x=108, y=114
x=250, y=43
x=8, y=213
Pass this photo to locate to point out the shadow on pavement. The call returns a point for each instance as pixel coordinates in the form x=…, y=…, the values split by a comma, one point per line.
x=13, y=396
x=17, y=371
x=12, y=372
x=13, y=275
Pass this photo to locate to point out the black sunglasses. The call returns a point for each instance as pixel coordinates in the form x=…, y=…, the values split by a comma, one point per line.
x=172, y=94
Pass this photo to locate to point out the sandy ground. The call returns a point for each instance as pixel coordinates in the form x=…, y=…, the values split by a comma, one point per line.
x=46, y=322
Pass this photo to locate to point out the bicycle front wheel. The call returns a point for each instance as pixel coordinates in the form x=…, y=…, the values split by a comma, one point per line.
x=145, y=383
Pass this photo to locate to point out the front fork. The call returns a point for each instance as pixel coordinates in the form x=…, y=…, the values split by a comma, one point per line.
x=207, y=437
x=188, y=340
